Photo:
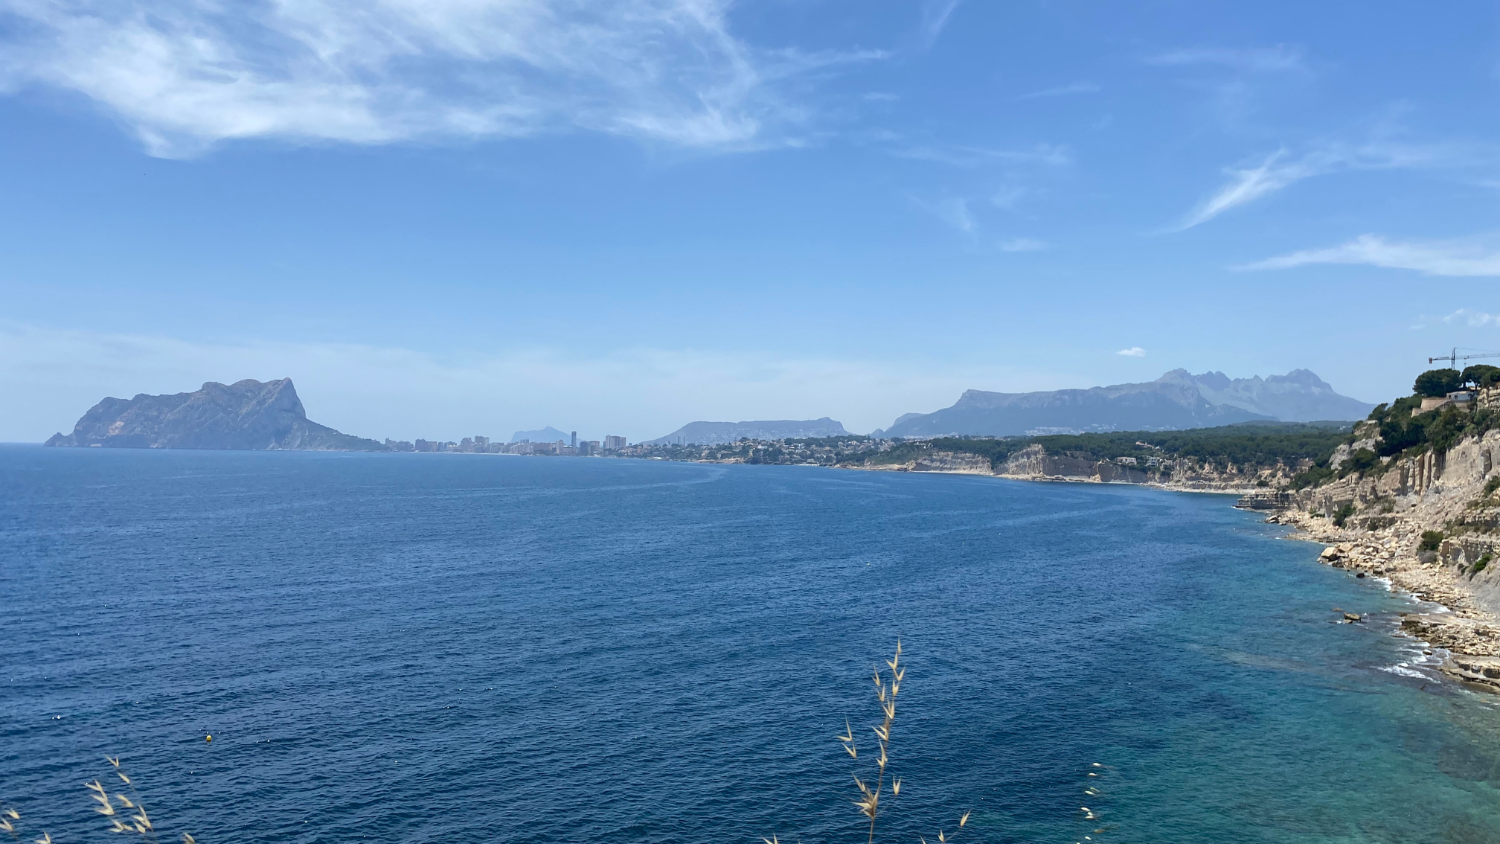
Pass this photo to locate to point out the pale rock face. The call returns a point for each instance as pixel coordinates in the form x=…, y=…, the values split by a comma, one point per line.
x=246, y=415
x=1432, y=492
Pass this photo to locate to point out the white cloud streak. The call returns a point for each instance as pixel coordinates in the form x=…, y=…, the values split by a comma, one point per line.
x=186, y=74
x=952, y=210
x=1049, y=155
x=1280, y=170
x=1472, y=318
x=935, y=16
x=1132, y=352
x=1435, y=258
x=1246, y=185
x=1062, y=91
x=1280, y=58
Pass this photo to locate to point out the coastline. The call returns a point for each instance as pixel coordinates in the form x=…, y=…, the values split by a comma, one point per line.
x=1464, y=634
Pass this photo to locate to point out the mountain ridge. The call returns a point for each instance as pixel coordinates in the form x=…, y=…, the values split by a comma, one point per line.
x=1177, y=400
x=719, y=433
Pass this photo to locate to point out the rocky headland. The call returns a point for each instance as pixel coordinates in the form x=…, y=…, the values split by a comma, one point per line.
x=1427, y=524
x=246, y=415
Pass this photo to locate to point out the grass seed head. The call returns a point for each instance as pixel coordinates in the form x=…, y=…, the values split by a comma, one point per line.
x=102, y=797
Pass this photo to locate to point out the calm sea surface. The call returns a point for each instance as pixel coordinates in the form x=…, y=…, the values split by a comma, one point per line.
x=476, y=648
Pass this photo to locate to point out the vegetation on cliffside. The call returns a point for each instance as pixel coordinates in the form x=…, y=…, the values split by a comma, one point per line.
x=1399, y=429
x=1247, y=446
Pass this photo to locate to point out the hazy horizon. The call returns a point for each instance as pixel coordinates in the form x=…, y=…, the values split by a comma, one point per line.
x=489, y=217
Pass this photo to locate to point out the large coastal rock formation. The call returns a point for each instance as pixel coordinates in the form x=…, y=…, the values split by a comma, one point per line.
x=1176, y=401
x=246, y=415
x=1382, y=524
x=718, y=433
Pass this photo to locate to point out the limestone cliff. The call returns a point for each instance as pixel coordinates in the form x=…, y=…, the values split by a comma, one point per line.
x=1430, y=522
x=1035, y=462
x=246, y=415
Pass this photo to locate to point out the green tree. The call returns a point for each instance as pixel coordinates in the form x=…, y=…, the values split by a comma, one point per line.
x=1481, y=375
x=1361, y=461
x=1437, y=382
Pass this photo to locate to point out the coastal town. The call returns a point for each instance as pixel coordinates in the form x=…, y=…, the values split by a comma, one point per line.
x=570, y=447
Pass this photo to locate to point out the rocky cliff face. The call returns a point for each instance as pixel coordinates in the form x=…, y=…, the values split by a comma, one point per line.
x=1036, y=463
x=1380, y=527
x=246, y=415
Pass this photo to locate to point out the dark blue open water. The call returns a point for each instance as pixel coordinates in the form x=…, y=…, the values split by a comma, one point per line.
x=469, y=648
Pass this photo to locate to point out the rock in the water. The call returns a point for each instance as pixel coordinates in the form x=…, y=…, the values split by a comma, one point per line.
x=246, y=415
x=1352, y=617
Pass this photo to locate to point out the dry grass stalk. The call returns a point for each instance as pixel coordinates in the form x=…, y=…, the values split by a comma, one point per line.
x=886, y=785
x=8, y=818
x=126, y=813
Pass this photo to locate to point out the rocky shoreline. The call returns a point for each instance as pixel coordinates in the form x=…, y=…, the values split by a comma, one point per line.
x=1385, y=519
x=1468, y=634
x=1380, y=535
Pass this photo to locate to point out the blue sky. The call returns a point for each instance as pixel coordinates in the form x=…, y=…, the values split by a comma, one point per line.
x=447, y=217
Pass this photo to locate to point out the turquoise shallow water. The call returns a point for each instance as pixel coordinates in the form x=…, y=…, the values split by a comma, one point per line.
x=471, y=648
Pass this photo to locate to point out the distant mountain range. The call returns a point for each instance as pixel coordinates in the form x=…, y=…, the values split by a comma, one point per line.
x=245, y=415
x=1175, y=401
x=718, y=433
x=548, y=434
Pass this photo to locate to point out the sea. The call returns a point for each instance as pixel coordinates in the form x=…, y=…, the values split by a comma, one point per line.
x=484, y=648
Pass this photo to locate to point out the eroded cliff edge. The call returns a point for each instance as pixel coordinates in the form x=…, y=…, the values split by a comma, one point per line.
x=1428, y=523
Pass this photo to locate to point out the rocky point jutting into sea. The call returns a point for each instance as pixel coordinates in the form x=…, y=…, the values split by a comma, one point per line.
x=1427, y=524
x=246, y=415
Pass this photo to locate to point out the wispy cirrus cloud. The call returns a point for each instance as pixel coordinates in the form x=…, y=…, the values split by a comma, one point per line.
x=1009, y=197
x=1247, y=185
x=935, y=17
x=1458, y=258
x=185, y=74
x=1063, y=91
x=1023, y=244
x=1281, y=169
x=1472, y=318
x=1279, y=58
x=1050, y=155
x=953, y=210
x=1132, y=352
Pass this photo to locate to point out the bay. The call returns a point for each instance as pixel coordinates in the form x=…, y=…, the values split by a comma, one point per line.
x=487, y=648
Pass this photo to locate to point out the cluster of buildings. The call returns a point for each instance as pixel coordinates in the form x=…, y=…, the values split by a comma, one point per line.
x=1487, y=397
x=483, y=445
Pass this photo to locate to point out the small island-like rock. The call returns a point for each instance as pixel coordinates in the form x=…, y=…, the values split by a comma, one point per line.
x=246, y=415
